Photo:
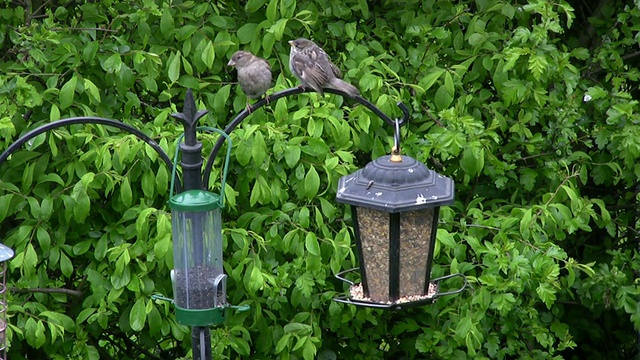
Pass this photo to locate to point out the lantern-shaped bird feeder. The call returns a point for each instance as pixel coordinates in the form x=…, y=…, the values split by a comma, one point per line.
x=6, y=253
x=395, y=202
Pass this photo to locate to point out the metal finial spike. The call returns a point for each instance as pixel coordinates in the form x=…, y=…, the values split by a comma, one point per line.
x=189, y=106
x=189, y=118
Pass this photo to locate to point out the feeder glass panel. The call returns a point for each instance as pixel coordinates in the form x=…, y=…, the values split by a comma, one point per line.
x=416, y=228
x=373, y=226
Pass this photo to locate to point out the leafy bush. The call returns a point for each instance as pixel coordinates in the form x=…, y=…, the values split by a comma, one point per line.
x=530, y=106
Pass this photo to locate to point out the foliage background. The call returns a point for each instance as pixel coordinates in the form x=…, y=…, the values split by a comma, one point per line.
x=530, y=106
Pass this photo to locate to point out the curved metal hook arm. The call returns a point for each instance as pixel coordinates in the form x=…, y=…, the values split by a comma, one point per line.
x=288, y=92
x=85, y=120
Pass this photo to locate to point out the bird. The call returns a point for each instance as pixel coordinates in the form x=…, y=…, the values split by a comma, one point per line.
x=254, y=74
x=313, y=67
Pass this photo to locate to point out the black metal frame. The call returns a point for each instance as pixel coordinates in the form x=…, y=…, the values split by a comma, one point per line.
x=394, y=256
x=193, y=177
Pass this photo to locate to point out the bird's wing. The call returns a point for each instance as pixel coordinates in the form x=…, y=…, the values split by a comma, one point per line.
x=335, y=70
x=325, y=61
x=310, y=70
x=265, y=62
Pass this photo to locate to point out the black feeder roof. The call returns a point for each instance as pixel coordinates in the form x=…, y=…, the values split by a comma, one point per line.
x=395, y=186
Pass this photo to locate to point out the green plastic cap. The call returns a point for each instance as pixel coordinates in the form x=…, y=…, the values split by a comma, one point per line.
x=195, y=201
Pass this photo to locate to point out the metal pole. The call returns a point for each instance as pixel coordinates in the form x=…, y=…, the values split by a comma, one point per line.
x=201, y=343
x=191, y=164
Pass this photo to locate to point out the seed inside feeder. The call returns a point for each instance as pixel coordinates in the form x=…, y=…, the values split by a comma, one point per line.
x=414, y=249
x=194, y=288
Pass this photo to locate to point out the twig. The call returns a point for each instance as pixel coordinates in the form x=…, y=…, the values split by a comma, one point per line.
x=47, y=291
x=599, y=69
x=82, y=29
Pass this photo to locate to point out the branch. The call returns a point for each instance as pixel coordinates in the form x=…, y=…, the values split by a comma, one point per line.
x=82, y=29
x=46, y=291
x=598, y=69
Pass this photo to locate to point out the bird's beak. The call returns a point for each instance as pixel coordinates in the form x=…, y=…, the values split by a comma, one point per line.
x=291, y=43
x=231, y=63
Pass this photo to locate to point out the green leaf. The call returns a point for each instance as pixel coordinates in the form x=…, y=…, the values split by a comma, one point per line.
x=292, y=156
x=283, y=343
x=30, y=259
x=67, y=92
x=166, y=23
x=92, y=89
x=309, y=351
x=472, y=161
x=173, y=67
x=5, y=200
x=547, y=294
x=254, y=5
x=278, y=28
x=443, y=98
x=89, y=51
x=162, y=180
x=253, y=279
x=82, y=247
x=258, y=149
x=446, y=238
x=125, y=192
x=311, y=183
x=65, y=265
x=148, y=184
x=463, y=327
x=246, y=32
x=138, y=315
x=448, y=84
x=54, y=113
x=113, y=63
x=44, y=239
x=272, y=10
x=428, y=80
x=311, y=244
x=209, y=54
x=40, y=337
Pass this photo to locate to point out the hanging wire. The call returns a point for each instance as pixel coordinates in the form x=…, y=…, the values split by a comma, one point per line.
x=396, y=137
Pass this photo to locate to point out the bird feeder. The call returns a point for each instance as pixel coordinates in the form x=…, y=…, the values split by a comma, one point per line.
x=395, y=201
x=6, y=253
x=199, y=282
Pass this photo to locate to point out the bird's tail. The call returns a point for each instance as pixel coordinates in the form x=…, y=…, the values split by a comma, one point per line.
x=344, y=86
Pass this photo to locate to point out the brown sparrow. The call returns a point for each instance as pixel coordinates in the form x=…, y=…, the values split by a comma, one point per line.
x=254, y=74
x=313, y=67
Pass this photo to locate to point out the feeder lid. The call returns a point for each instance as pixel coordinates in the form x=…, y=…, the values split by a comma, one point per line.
x=195, y=201
x=6, y=253
x=395, y=186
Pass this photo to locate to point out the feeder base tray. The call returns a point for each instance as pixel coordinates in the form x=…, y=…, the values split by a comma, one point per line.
x=357, y=297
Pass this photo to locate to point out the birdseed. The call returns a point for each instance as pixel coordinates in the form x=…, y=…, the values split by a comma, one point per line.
x=415, y=233
x=194, y=288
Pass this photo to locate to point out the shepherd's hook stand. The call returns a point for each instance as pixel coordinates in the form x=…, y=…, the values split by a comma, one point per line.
x=193, y=178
